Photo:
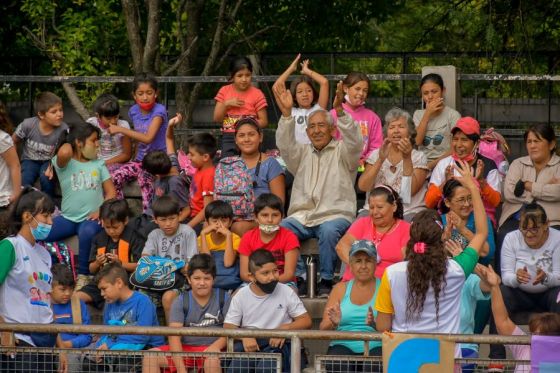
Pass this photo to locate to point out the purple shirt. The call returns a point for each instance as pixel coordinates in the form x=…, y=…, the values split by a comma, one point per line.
x=141, y=123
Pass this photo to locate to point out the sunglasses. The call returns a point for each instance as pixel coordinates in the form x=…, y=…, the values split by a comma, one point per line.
x=436, y=140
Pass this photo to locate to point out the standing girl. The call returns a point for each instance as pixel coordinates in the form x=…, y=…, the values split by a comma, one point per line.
x=356, y=87
x=427, y=286
x=434, y=123
x=25, y=279
x=305, y=96
x=84, y=182
x=237, y=100
x=113, y=149
x=267, y=174
x=150, y=123
x=10, y=169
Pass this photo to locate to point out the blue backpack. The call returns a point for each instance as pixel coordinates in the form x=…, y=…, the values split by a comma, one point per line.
x=226, y=277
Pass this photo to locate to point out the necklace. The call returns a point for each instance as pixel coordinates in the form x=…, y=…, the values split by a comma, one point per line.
x=377, y=239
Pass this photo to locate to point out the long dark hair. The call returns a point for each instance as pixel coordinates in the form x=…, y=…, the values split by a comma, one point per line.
x=30, y=200
x=428, y=268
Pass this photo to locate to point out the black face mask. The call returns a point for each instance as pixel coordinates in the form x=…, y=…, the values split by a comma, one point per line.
x=267, y=288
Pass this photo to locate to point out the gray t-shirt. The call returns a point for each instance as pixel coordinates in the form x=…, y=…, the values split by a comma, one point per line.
x=209, y=315
x=180, y=246
x=36, y=145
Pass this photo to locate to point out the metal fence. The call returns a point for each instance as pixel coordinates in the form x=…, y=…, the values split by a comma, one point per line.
x=24, y=359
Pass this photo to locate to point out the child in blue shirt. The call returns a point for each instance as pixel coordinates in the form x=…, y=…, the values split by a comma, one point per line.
x=63, y=284
x=123, y=306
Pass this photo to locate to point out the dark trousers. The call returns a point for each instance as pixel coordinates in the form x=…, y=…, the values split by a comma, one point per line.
x=517, y=300
x=353, y=366
x=262, y=365
x=31, y=170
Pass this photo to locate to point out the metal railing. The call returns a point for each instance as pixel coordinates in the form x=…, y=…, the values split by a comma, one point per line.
x=294, y=336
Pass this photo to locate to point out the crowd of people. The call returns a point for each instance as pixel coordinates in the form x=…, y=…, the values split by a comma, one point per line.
x=213, y=245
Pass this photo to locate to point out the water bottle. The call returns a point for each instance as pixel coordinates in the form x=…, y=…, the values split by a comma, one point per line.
x=311, y=277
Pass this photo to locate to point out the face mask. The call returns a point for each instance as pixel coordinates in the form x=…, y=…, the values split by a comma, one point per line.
x=146, y=106
x=102, y=124
x=41, y=231
x=267, y=288
x=347, y=99
x=89, y=152
x=269, y=228
x=467, y=158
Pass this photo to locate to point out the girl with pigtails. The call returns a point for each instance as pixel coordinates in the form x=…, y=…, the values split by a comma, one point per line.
x=430, y=281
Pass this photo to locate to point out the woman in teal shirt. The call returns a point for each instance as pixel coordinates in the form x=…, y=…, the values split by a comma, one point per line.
x=347, y=309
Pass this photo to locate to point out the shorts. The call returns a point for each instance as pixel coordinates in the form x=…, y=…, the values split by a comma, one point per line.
x=190, y=362
x=95, y=294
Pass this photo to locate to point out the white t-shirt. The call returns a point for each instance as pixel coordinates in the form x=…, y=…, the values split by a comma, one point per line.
x=440, y=125
x=5, y=178
x=393, y=179
x=516, y=254
x=300, y=118
x=248, y=310
x=25, y=293
x=110, y=146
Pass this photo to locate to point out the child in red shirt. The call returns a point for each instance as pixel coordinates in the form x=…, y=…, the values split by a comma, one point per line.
x=269, y=235
x=202, y=148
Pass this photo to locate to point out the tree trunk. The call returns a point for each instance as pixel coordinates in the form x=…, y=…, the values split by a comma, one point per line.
x=187, y=33
x=75, y=101
x=151, y=47
x=132, y=18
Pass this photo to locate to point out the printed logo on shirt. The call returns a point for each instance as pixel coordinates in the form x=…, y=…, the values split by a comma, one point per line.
x=280, y=306
x=25, y=258
x=85, y=181
x=37, y=296
x=39, y=151
x=207, y=320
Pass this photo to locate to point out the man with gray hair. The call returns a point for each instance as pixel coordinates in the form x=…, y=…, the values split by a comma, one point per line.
x=323, y=202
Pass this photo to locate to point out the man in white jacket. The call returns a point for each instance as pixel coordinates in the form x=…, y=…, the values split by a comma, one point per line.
x=323, y=202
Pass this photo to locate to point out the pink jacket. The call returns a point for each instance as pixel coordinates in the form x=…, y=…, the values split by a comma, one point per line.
x=370, y=125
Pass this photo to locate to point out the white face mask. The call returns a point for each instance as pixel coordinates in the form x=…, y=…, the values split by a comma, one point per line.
x=269, y=228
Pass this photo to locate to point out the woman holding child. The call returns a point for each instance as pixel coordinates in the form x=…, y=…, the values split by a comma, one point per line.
x=384, y=226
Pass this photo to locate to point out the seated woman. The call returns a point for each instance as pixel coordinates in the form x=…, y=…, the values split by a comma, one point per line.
x=268, y=175
x=535, y=177
x=458, y=219
x=384, y=227
x=348, y=306
x=530, y=268
x=398, y=164
x=464, y=145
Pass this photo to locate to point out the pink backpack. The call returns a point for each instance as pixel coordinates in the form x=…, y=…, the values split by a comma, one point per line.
x=234, y=184
x=494, y=146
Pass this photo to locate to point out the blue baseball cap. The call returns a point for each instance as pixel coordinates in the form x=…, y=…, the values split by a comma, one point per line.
x=365, y=246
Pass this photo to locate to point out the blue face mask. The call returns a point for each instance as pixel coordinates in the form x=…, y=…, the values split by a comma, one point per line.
x=41, y=231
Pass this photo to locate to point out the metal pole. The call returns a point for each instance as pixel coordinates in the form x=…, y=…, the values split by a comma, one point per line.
x=295, y=361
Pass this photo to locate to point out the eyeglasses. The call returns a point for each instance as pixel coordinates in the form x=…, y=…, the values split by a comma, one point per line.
x=436, y=140
x=533, y=230
x=463, y=200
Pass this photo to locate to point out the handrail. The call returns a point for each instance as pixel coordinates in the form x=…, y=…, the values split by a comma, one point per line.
x=264, y=78
x=242, y=333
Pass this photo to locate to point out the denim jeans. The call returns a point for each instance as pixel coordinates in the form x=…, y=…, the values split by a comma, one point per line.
x=30, y=170
x=328, y=234
x=63, y=228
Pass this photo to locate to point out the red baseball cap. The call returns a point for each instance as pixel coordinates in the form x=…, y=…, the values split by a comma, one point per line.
x=467, y=125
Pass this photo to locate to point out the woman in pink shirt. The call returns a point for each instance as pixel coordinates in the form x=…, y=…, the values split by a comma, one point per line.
x=383, y=226
x=356, y=87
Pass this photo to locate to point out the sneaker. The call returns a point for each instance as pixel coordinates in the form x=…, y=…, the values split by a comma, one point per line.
x=496, y=368
x=301, y=286
x=82, y=281
x=324, y=288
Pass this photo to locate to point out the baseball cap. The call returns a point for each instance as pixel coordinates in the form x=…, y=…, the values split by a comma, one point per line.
x=364, y=246
x=467, y=125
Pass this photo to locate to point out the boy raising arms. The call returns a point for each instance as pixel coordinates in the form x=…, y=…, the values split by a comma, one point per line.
x=264, y=304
